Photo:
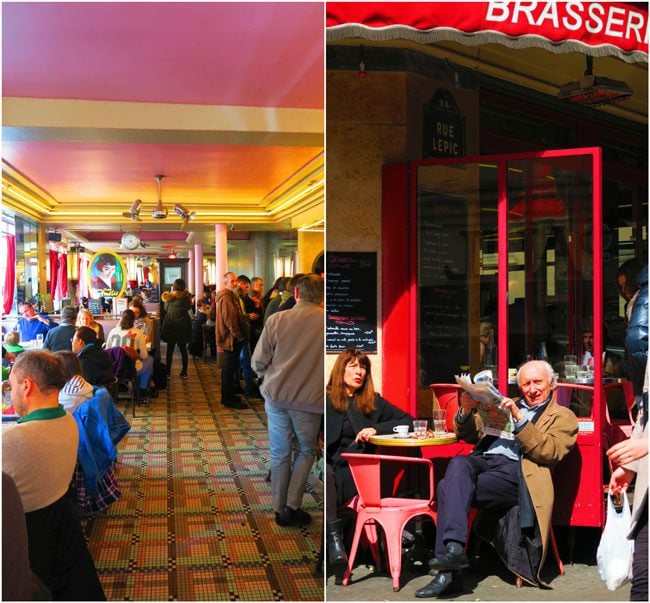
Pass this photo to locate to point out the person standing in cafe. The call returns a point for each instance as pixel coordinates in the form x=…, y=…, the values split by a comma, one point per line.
x=229, y=328
x=354, y=413
x=511, y=477
x=630, y=459
x=177, y=324
x=290, y=355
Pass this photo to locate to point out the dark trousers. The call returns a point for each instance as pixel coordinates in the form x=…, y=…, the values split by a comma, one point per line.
x=330, y=494
x=229, y=368
x=170, y=354
x=58, y=554
x=482, y=481
x=639, y=590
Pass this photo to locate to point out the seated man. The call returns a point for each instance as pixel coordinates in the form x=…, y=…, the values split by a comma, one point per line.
x=31, y=324
x=96, y=364
x=491, y=477
x=60, y=338
x=39, y=452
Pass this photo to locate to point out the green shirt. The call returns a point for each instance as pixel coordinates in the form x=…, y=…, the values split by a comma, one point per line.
x=43, y=414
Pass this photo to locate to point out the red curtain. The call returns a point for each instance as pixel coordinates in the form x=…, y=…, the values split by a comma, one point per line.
x=10, y=274
x=54, y=271
x=62, y=280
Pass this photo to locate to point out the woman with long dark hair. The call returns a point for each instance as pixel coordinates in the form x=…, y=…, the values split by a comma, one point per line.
x=177, y=325
x=355, y=413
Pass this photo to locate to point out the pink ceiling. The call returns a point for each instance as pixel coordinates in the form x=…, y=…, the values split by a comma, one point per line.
x=207, y=171
x=243, y=54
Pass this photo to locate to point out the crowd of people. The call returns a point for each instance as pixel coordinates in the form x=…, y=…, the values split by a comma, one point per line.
x=270, y=347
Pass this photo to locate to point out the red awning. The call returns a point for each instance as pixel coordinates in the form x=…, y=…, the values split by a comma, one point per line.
x=593, y=28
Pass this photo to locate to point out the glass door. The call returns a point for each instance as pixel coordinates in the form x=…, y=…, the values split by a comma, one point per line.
x=508, y=264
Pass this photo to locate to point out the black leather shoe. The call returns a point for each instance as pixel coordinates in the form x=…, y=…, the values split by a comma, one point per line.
x=235, y=404
x=454, y=559
x=443, y=585
x=289, y=517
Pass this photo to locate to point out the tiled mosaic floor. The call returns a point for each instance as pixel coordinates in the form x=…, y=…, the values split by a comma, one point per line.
x=194, y=521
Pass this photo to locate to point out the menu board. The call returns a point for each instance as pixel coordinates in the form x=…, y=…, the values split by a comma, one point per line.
x=351, y=300
x=443, y=292
x=95, y=307
x=443, y=333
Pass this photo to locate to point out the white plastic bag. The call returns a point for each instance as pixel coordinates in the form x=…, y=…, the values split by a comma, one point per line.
x=614, y=555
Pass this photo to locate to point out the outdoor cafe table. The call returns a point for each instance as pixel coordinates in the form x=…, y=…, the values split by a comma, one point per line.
x=439, y=449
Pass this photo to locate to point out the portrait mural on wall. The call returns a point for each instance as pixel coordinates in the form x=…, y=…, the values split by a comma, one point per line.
x=107, y=275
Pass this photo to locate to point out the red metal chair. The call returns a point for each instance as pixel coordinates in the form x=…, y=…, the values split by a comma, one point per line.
x=619, y=408
x=392, y=513
x=447, y=395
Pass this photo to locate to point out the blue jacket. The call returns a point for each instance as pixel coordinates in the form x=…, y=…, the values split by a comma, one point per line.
x=101, y=427
x=636, y=336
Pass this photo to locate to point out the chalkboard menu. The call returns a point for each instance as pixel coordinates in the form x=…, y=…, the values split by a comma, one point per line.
x=351, y=301
x=95, y=307
x=443, y=292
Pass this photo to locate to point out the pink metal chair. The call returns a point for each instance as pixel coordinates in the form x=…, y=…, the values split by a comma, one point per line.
x=392, y=513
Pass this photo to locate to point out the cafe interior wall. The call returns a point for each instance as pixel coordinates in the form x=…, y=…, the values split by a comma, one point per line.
x=374, y=121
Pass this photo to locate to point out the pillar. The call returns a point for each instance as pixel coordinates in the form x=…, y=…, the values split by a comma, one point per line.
x=310, y=246
x=190, y=274
x=220, y=251
x=198, y=270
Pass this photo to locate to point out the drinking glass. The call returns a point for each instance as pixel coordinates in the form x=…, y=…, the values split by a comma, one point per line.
x=39, y=340
x=420, y=428
x=439, y=422
x=570, y=371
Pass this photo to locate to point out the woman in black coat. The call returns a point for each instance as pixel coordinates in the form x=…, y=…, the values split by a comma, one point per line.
x=354, y=414
x=177, y=324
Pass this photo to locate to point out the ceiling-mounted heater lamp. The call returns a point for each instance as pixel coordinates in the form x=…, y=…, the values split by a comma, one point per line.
x=362, y=65
x=593, y=90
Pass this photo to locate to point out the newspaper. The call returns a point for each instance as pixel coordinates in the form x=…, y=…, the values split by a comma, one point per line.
x=495, y=421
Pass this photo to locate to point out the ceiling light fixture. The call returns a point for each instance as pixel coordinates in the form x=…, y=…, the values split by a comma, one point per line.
x=134, y=212
x=592, y=91
x=184, y=214
x=160, y=213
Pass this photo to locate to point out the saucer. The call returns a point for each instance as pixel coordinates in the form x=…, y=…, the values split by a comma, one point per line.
x=402, y=437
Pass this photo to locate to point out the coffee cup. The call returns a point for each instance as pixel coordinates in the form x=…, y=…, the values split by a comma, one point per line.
x=401, y=430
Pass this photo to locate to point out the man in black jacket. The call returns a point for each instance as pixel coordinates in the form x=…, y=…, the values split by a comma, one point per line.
x=96, y=364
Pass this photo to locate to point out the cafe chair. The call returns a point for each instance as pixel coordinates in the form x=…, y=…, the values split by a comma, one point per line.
x=447, y=396
x=126, y=374
x=392, y=513
x=619, y=410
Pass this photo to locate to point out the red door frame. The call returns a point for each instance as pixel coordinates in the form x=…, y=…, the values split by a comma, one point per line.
x=400, y=302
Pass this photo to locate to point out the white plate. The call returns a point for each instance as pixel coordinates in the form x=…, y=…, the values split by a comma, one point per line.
x=402, y=437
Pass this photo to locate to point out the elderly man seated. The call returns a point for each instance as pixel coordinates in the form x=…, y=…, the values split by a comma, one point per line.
x=508, y=476
x=39, y=452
